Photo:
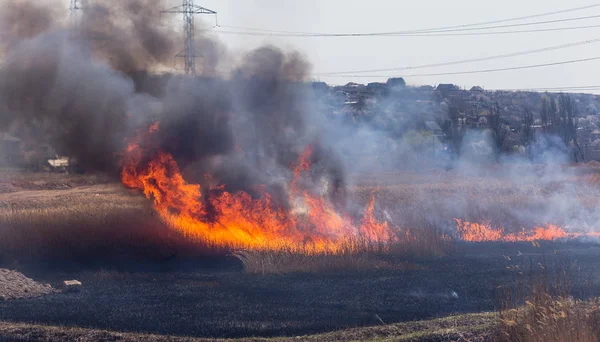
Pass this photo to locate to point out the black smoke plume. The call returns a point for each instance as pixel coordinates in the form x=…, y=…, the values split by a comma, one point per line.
x=87, y=86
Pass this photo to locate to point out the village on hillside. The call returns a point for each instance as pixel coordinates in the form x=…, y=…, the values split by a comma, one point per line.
x=434, y=118
x=514, y=117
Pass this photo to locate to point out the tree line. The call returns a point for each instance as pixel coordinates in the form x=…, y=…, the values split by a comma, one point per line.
x=558, y=118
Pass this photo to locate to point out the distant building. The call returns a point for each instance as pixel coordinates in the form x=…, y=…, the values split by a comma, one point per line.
x=320, y=86
x=446, y=89
x=377, y=88
x=477, y=89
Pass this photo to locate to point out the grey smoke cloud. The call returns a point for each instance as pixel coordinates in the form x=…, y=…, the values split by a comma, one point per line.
x=88, y=87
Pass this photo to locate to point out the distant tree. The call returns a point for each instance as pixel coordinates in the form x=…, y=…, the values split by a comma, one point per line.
x=560, y=119
x=545, y=112
x=528, y=132
x=553, y=118
x=396, y=82
x=499, y=130
x=453, y=129
x=568, y=126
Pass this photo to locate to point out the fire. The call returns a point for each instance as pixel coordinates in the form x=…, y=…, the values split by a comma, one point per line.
x=482, y=232
x=237, y=219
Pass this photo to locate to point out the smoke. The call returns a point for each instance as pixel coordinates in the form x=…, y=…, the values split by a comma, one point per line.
x=87, y=86
x=128, y=34
x=390, y=141
x=25, y=19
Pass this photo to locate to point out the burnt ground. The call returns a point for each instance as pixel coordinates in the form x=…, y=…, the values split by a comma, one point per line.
x=214, y=298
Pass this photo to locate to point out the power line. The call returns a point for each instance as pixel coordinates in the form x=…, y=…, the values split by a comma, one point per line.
x=518, y=18
x=551, y=88
x=476, y=71
x=517, y=25
x=433, y=34
x=464, y=61
x=307, y=34
x=568, y=28
x=455, y=28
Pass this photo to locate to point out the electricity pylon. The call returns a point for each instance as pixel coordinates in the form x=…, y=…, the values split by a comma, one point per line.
x=189, y=10
x=76, y=5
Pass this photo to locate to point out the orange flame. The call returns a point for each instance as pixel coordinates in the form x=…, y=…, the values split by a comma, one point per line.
x=481, y=232
x=478, y=232
x=237, y=219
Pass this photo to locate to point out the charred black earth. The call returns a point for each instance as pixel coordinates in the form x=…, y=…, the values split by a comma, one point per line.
x=214, y=298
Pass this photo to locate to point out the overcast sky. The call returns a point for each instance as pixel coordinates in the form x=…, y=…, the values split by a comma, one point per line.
x=331, y=54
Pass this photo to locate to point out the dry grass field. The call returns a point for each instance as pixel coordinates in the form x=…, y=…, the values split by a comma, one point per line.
x=58, y=217
x=61, y=217
x=88, y=218
x=57, y=226
x=512, y=198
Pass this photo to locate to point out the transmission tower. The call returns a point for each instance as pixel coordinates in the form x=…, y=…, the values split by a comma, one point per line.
x=76, y=5
x=189, y=10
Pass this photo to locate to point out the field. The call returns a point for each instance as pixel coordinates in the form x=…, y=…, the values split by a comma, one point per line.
x=142, y=280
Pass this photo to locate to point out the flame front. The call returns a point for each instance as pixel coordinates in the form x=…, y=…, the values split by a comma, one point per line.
x=236, y=219
x=483, y=232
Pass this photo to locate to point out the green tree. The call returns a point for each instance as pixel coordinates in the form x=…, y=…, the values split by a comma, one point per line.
x=499, y=130
x=528, y=132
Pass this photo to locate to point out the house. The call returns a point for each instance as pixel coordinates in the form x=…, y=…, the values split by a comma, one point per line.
x=377, y=88
x=446, y=89
x=320, y=86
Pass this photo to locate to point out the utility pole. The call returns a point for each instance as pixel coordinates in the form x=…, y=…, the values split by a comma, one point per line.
x=189, y=10
x=76, y=5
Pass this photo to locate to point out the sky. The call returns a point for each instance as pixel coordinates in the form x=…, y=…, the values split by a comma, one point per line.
x=334, y=54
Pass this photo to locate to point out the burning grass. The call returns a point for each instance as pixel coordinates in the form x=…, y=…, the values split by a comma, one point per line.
x=106, y=223
x=69, y=220
x=312, y=224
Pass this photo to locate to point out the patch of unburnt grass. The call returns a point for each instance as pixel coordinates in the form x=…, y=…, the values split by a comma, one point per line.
x=538, y=306
x=92, y=228
x=352, y=255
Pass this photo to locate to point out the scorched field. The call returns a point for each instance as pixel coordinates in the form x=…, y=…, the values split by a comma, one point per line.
x=463, y=249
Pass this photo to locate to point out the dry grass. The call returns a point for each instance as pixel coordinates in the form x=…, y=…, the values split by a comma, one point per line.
x=12, y=180
x=550, y=319
x=87, y=224
x=352, y=255
x=279, y=262
x=54, y=216
x=75, y=216
x=550, y=314
x=465, y=328
x=434, y=198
